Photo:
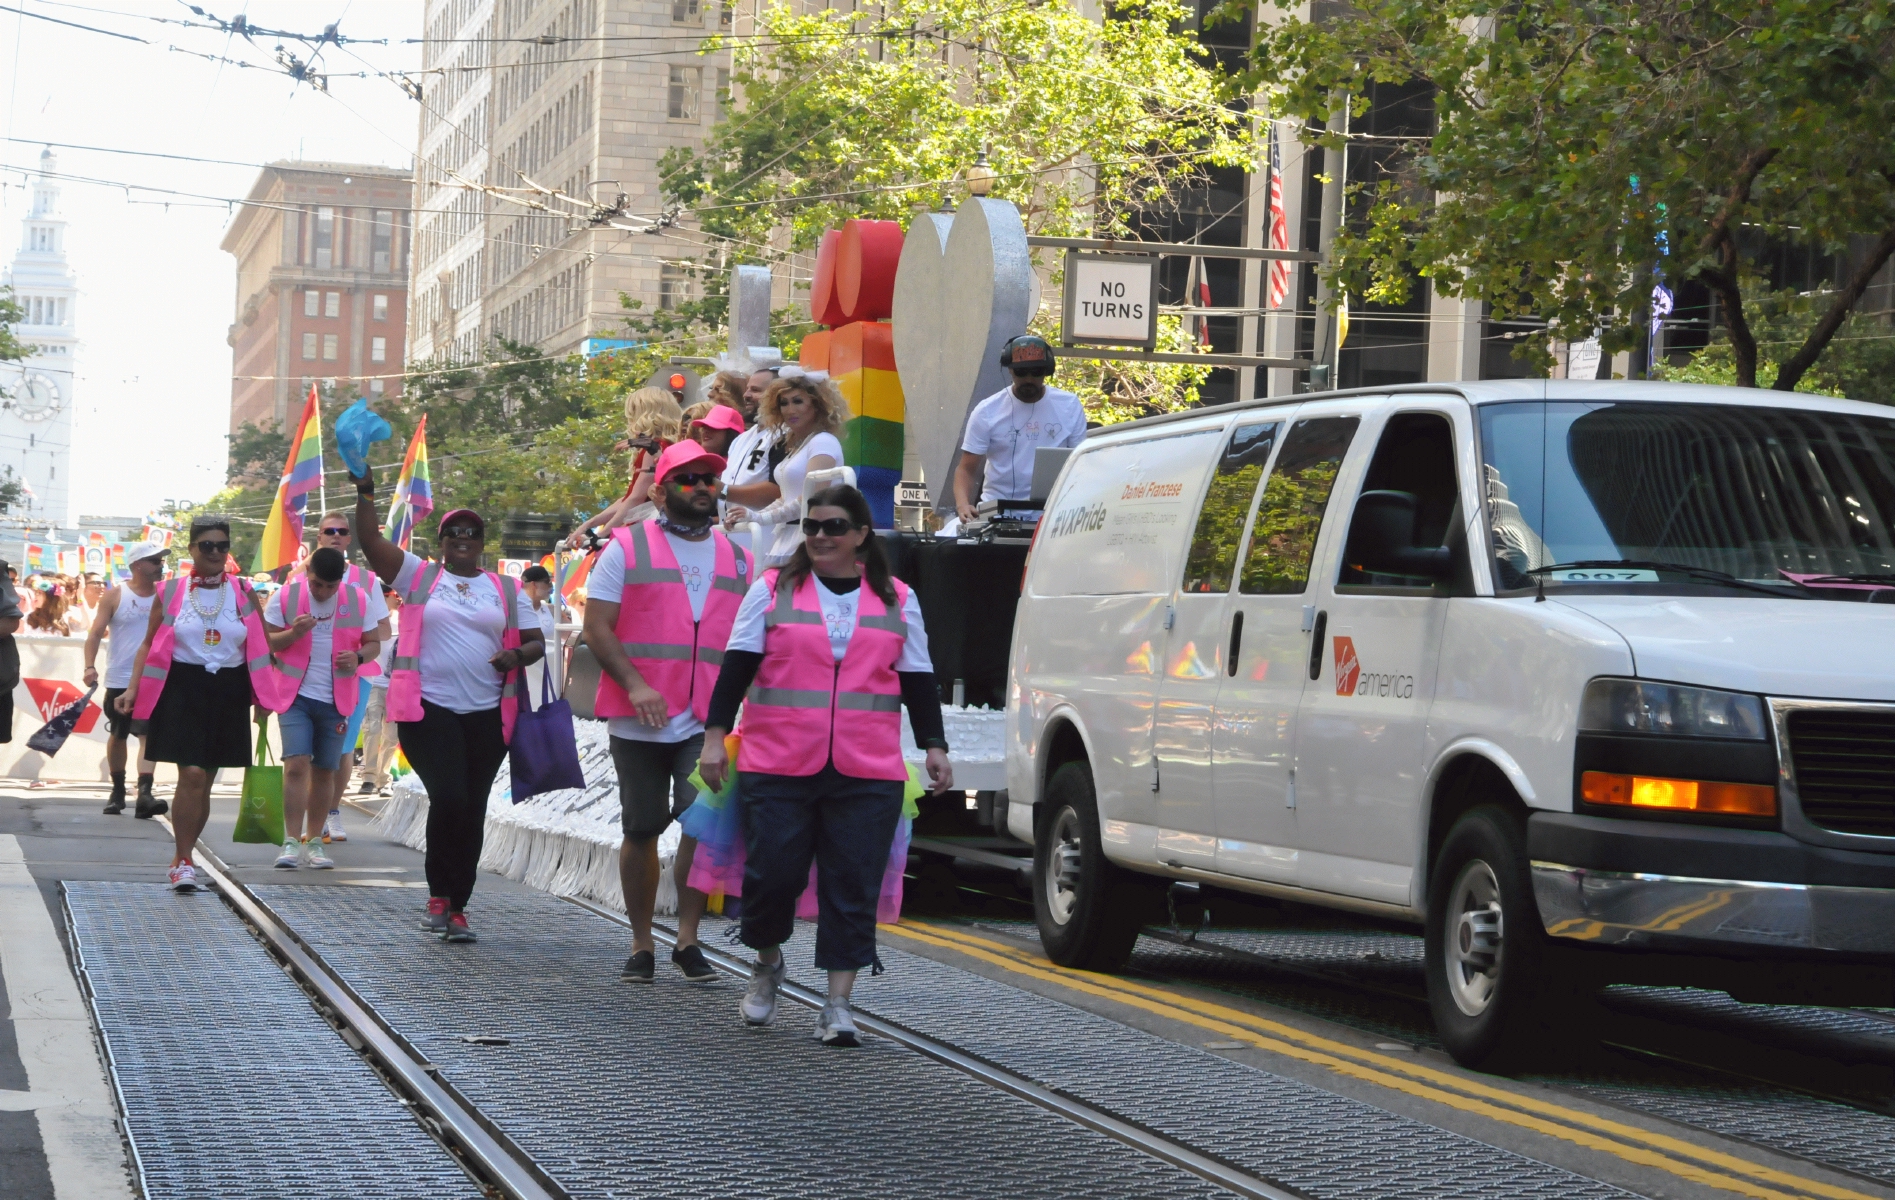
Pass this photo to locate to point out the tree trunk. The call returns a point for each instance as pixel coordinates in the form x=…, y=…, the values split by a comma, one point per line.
x=1724, y=283
x=1798, y=365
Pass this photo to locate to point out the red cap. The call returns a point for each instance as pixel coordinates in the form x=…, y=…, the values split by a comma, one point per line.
x=722, y=416
x=684, y=454
x=462, y=512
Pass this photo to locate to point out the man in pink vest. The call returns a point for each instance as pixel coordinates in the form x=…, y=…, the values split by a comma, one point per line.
x=661, y=600
x=322, y=631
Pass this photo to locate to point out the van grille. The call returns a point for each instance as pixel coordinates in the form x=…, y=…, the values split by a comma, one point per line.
x=1845, y=768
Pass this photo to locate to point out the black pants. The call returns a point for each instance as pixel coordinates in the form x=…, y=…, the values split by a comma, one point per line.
x=457, y=756
x=846, y=826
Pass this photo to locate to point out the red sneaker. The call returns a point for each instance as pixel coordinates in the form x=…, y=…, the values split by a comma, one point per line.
x=436, y=920
x=457, y=930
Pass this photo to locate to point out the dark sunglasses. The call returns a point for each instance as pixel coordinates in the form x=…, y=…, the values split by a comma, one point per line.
x=462, y=531
x=828, y=527
x=692, y=479
x=338, y=531
x=210, y=547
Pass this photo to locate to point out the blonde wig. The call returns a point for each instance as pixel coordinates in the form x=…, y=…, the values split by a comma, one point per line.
x=832, y=410
x=691, y=414
x=652, y=412
x=732, y=383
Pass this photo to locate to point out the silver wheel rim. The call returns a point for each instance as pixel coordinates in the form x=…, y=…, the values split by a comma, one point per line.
x=1061, y=879
x=1474, y=933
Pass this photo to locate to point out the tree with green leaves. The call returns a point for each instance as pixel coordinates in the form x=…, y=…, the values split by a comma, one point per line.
x=1584, y=145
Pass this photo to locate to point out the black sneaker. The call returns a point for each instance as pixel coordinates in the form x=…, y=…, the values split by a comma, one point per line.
x=149, y=807
x=639, y=967
x=690, y=960
x=115, y=803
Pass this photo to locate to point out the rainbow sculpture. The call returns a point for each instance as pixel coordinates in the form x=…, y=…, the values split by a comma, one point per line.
x=853, y=294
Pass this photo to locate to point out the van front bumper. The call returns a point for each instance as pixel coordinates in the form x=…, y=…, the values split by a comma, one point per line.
x=1742, y=893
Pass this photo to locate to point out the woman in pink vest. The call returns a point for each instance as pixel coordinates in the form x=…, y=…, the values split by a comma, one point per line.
x=204, y=662
x=823, y=655
x=466, y=635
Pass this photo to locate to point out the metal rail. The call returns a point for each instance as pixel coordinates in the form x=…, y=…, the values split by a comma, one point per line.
x=481, y=1147
x=1192, y=249
x=1204, y=1166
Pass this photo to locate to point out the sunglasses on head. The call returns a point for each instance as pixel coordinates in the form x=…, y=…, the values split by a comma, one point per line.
x=828, y=527
x=209, y=547
x=690, y=479
x=337, y=531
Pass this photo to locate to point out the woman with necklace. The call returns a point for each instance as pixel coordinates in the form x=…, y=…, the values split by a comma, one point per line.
x=204, y=661
x=812, y=414
x=466, y=635
x=836, y=648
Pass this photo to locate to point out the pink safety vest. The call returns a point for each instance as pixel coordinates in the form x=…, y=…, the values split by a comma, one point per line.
x=805, y=708
x=346, y=629
x=676, y=655
x=269, y=687
x=404, y=676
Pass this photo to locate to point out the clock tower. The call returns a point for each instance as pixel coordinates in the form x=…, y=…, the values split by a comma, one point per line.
x=36, y=395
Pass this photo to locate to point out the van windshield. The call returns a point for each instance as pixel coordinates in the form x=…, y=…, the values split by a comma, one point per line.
x=1681, y=493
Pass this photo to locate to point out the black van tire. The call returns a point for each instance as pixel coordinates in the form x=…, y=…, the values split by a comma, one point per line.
x=1481, y=909
x=1089, y=911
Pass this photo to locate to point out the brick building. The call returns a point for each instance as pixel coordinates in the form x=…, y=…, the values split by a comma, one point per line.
x=322, y=285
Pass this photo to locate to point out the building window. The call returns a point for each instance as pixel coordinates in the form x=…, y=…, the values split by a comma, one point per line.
x=723, y=88
x=329, y=347
x=311, y=302
x=325, y=238
x=378, y=349
x=382, y=242
x=376, y=386
x=332, y=304
x=674, y=286
x=309, y=347
x=685, y=12
x=683, y=94
x=381, y=308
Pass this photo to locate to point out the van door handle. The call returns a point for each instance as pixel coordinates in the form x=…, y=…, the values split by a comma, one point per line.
x=1316, y=646
x=1236, y=641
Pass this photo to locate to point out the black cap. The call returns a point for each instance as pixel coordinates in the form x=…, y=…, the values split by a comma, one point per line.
x=1028, y=353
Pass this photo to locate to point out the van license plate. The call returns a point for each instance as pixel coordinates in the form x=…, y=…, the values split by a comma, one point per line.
x=1602, y=575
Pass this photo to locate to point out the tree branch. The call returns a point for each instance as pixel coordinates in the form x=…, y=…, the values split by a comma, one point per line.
x=1792, y=371
x=1735, y=199
x=1725, y=283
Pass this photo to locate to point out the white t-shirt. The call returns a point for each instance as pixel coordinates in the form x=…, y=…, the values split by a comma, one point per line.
x=1008, y=430
x=697, y=562
x=125, y=634
x=789, y=476
x=319, y=676
x=839, y=610
x=210, y=633
x=749, y=457
x=385, y=657
x=463, y=625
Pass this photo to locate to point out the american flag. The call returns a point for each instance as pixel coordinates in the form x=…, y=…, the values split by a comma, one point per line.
x=1279, y=225
x=1201, y=296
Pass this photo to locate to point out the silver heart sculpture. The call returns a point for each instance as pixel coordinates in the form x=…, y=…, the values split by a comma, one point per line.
x=963, y=287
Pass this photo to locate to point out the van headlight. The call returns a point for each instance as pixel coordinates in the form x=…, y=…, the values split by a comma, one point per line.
x=1636, y=706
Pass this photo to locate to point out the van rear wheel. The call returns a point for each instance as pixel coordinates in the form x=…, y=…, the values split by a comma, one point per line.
x=1495, y=1004
x=1089, y=911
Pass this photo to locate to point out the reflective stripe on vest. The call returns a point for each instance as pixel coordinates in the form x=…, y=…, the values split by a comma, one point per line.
x=868, y=702
x=785, y=612
x=789, y=697
x=657, y=650
x=676, y=652
x=640, y=570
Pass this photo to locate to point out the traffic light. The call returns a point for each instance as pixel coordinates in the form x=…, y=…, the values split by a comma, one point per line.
x=681, y=382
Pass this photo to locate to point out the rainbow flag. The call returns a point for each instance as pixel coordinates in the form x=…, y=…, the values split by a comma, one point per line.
x=572, y=573
x=302, y=474
x=414, y=490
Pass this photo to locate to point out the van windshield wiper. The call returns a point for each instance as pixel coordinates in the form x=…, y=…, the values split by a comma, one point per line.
x=1882, y=578
x=1651, y=564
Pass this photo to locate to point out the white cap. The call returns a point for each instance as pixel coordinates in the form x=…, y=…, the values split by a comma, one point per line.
x=143, y=550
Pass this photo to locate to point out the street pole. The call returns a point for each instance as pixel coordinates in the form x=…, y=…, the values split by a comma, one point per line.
x=1335, y=170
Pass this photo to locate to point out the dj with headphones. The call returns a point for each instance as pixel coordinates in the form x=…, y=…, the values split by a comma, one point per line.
x=1008, y=426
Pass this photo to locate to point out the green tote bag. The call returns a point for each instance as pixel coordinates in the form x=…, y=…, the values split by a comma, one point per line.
x=260, y=813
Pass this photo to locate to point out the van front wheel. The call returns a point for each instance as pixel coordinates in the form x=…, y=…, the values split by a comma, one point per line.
x=1088, y=909
x=1487, y=966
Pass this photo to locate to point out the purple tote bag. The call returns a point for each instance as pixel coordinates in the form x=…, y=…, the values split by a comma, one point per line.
x=544, y=753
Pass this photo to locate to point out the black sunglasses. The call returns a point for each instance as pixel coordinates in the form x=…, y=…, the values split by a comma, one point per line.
x=338, y=531
x=693, y=478
x=210, y=547
x=828, y=527
x=463, y=531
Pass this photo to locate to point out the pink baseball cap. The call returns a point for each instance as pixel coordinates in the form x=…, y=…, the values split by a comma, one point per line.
x=722, y=416
x=684, y=454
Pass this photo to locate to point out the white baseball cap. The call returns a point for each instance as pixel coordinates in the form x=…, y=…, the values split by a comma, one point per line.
x=143, y=550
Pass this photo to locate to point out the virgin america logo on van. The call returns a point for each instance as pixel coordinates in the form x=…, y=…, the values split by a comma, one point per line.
x=1352, y=680
x=1348, y=667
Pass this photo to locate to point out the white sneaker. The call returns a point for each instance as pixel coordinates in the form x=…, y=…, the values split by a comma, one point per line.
x=835, y=1027
x=332, y=830
x=184, y=878
x=292, y=856
x=760, y=997
x=313, y=856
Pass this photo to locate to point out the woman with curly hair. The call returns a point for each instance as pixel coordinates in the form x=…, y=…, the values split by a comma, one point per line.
x=49, y=615
x=811, y=413
x=652, y=417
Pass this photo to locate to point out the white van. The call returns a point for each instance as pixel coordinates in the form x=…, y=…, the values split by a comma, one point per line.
x=1598, y=666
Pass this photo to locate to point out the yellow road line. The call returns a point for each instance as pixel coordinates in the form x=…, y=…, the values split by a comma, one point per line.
x=1672, y=1155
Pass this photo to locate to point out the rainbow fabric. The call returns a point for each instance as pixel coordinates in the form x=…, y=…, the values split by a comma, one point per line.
x=414, y=490
x=302, y=474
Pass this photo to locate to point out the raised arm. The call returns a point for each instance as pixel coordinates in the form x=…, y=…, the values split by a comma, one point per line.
x=384, y=557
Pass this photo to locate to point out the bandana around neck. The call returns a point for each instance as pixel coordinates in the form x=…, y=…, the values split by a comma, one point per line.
x=689, y=533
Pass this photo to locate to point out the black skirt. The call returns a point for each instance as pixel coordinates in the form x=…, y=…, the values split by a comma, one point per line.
x=202, y=719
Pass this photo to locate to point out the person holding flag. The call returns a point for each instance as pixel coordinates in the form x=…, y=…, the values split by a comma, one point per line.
x=282, y=544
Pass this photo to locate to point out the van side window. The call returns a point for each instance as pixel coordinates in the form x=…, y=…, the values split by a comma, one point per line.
x=1220, y=527
x=1414, y=459
x=1294, y=497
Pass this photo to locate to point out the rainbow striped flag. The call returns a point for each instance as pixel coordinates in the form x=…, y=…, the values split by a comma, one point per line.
x=302, y=474
x=414, y=490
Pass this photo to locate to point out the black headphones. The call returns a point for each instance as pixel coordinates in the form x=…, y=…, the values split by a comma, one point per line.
x=1029, y=350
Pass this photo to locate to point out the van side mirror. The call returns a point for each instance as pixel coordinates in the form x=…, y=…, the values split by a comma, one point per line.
x=1382, y=539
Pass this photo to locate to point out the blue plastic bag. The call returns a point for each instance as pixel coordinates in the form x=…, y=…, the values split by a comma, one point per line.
x=356, y=429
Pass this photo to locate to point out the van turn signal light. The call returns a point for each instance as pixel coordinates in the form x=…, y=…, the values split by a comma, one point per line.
x=1679, y=795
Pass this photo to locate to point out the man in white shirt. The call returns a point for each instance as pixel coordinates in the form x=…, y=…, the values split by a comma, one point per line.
x=1007, y=427
x=746, y=480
